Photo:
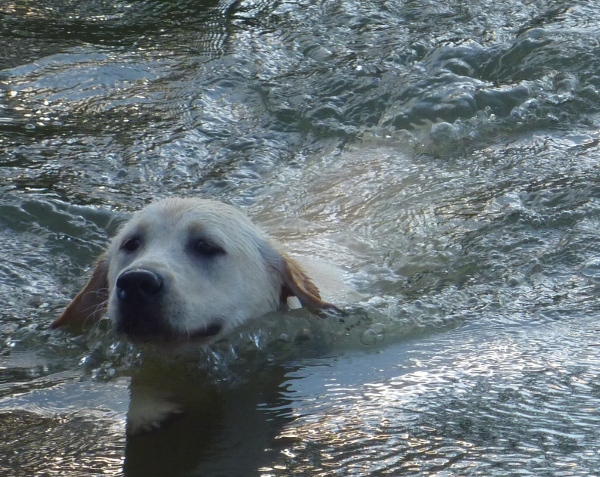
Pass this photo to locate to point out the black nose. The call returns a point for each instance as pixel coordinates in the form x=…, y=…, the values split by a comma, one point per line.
x=138, y=285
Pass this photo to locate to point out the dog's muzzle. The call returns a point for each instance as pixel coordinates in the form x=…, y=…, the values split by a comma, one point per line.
x=141, y=313
x=139, y=286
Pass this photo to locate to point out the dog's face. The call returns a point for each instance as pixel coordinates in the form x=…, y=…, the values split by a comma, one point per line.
x=186, y=270
x=182, y=271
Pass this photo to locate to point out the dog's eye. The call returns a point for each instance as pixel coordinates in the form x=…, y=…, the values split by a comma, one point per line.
x=206, y=248
x=131, y=244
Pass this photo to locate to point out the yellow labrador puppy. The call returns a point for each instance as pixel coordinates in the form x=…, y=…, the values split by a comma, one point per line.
x=189, y=270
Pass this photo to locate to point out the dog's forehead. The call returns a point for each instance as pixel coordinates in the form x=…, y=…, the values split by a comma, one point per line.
x=201, y=216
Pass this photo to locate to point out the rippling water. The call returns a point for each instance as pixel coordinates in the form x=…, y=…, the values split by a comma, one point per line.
x=444, y=154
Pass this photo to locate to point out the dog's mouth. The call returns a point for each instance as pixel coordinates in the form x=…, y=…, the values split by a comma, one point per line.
x=210, y=331
x=148, y=332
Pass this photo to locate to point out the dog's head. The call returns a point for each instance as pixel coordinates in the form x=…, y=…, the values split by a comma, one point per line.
x=188, y=270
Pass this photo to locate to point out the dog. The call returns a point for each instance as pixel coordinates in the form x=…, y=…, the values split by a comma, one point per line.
x=187, y=270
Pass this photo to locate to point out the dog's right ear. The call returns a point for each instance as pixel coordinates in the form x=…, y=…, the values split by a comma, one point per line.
x=89, y=304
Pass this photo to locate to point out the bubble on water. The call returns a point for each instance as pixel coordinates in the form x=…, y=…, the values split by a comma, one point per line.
x=373, y=335
x=592, y=269
x=443, y=136
x=444, y=132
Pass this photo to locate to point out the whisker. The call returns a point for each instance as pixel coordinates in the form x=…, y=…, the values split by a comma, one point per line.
x=97, y=307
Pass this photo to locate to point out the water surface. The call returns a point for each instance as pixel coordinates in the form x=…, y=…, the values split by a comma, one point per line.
x=444, y=155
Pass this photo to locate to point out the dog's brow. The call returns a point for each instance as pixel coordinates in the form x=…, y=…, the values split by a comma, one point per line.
x=136, y=227
x=200, y=231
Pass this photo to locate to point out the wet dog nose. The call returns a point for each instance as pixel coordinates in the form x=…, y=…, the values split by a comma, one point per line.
x=138, y=285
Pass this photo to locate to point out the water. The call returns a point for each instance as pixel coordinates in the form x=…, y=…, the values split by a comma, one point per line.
x=445, y=155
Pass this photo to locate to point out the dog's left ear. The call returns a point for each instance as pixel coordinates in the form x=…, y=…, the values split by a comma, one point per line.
x=294, y=280
x=89, y=304
x=297, y=283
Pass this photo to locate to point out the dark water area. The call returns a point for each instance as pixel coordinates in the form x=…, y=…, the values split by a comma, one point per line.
x=444, y=155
